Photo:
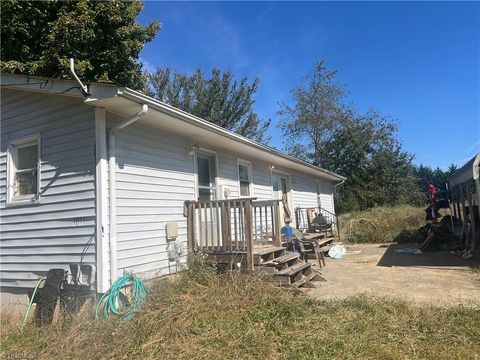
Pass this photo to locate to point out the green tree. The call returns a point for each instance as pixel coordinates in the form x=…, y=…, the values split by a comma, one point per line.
x=320, y=128
x=365, y=150
x=219, y=99
x=39, y=37
x=426, y=175
x=316, y=113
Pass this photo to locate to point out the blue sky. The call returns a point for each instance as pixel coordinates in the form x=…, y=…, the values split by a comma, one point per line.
x=418, y=62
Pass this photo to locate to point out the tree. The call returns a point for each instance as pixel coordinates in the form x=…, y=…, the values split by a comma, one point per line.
x=316, y=113
x=39, y=37
x=320, y=128
x=219, y=99
x=365, y=150
x=426, y=175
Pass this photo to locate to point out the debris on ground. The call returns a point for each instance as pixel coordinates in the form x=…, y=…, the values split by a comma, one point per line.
x=337, y=251
x=409, y=250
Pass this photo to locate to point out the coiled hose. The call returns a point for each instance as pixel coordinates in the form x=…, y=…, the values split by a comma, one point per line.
x=114, y=301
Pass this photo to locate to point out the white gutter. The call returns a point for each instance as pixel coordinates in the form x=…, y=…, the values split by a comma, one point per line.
x=180, y=114
x=112, y=191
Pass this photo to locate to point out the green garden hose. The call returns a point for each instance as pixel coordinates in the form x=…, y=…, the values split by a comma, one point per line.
x=112, y=303
x=25, y=318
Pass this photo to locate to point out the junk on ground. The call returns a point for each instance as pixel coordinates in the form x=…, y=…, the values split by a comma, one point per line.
x=409, y=250
x=442, y=232
x=337, y=252
x=72, y=287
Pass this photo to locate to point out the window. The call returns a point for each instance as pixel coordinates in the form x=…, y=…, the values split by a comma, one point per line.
x=206, y=177
x=244, y=178
x=23, y=179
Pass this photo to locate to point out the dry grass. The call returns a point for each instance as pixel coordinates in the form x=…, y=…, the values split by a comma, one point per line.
x=201, y=315
x=383, y=224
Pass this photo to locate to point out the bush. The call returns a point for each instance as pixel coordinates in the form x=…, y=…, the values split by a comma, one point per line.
x=382, y=224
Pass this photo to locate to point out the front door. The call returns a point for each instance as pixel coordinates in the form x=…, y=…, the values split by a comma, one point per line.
x=281, y=189
x=207, y=191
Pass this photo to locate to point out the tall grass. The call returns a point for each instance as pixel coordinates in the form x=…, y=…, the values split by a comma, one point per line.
x=210, y=316
x=382, y=224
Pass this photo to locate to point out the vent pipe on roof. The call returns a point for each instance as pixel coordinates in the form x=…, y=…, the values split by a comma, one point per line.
x=83, y=88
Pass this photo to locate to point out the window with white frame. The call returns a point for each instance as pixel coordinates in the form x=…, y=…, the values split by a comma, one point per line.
x=24, y=174
x=244, y=178
x=206, y=173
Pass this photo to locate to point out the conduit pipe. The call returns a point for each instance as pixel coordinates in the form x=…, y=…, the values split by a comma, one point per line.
x=83, y=88
x=112, y=188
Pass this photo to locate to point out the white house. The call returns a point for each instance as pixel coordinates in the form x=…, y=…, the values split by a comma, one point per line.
x=94, y=177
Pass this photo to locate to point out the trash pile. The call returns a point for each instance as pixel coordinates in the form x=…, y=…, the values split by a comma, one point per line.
x=441, y=233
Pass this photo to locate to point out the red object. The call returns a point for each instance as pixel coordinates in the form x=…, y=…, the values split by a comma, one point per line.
x=431, y=197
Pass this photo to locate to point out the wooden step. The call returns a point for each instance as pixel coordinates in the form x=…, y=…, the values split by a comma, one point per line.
x=262, y=255
x=294, y=269
x=310, y=236
x=282, y=259
x=266, y=250
x=304, y=282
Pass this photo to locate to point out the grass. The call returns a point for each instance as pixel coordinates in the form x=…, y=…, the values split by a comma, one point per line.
x=383, y=224
x=201, y=315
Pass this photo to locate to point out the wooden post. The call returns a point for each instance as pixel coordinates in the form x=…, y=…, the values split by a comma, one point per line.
x=189, y=227
x=249, y=234
x=337, y=224
x=471, y=213
x=223, y=212
x=277, y=225
x=464, y=214
x=218, y=231
x=194, y=227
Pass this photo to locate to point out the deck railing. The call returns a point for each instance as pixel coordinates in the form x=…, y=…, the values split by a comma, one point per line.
x=233, y=226
x=329, y=223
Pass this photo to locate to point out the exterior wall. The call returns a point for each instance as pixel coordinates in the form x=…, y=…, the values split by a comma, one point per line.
x=154, y=176
x=55, y=232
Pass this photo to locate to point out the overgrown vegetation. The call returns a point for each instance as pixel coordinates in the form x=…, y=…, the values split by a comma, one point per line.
x=383, y=224
x=201, y=315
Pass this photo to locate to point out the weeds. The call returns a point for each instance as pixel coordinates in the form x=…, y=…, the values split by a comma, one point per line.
x=203, y=315
x=383, y=224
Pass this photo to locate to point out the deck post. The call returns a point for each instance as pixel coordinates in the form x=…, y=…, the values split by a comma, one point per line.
x=249, y=234
x=278, y=224
x=473, y=225
x=189, y=226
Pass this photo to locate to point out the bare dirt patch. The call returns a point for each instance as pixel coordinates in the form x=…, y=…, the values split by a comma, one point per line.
x=433, y=278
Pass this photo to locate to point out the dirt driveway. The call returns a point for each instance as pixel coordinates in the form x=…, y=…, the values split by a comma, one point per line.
x=438, y=278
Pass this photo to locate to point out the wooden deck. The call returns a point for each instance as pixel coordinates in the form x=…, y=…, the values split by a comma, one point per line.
x=245, y=234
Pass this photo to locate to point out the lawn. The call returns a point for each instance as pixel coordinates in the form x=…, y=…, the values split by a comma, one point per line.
x=202, y=315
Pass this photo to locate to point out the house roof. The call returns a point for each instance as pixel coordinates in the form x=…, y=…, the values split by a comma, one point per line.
x=126, y=102
x=469, y=171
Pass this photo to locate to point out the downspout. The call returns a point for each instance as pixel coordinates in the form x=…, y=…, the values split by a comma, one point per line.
x=337, y=185
x=112, y=188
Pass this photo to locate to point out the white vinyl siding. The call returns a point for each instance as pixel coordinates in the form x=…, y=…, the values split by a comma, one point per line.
x=53, y=233
x=155, y=175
